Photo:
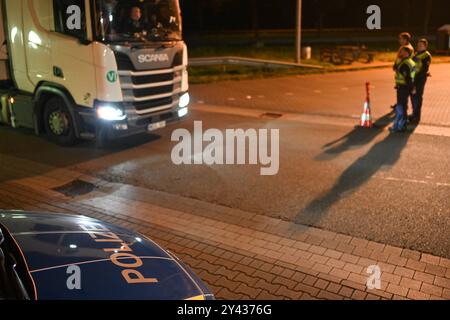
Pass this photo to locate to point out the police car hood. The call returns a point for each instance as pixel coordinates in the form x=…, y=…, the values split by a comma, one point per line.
x=74, y=257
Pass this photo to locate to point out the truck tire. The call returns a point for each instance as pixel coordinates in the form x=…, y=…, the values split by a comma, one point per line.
x=58, y=122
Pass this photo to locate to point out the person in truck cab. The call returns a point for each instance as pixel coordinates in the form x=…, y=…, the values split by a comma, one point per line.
x=134, y=23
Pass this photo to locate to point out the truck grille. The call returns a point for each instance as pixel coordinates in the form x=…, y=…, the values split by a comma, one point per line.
x=125, y=63
x=152, y=104
x=150, y=90
x=153, y=78
x=139, y=93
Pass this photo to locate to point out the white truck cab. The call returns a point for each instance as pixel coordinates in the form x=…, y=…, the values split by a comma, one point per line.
x=92, y=69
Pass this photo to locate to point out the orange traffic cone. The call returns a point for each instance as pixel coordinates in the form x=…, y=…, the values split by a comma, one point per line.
x=366, y=118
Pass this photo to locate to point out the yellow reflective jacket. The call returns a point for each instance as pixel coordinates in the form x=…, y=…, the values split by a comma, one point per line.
x=398, y=60
x=401, y=79
x=419, y=58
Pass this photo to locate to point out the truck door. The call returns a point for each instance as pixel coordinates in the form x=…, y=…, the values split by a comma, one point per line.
x=72, y=54
x=37, y=17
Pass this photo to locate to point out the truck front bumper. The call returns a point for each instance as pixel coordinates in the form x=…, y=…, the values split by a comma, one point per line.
x=134, y=124
x=142, y=124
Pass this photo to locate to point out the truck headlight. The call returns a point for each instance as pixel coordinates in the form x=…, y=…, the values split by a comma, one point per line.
x=110, y=112
x=183, y=112
x=185, y=99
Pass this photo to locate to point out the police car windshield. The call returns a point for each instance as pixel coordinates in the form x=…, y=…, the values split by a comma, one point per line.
x=144, y=20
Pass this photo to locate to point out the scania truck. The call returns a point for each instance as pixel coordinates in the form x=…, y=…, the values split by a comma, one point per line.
x=92, y=69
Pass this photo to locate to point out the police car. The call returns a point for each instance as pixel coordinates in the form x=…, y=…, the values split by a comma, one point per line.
x=64, y=257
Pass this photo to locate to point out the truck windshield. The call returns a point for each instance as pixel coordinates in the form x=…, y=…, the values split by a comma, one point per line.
x=143, y=20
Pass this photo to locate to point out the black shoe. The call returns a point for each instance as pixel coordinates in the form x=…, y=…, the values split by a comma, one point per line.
x=413, y=120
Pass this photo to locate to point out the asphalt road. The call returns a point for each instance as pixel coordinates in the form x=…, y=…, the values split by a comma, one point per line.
x=392, y=189
x=338, y=94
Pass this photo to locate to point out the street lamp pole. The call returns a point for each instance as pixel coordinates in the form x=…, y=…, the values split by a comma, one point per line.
x=298, y=33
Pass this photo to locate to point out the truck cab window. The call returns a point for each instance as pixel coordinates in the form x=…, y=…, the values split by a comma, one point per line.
x=143, y=20
x=70, y=17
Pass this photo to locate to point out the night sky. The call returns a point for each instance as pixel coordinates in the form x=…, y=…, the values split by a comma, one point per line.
x=218, y=15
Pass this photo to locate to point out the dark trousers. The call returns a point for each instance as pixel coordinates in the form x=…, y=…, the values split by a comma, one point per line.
x=417, y=98
x=401, y=109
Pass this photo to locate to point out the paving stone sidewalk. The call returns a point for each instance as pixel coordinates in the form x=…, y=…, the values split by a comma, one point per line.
x=240, y=255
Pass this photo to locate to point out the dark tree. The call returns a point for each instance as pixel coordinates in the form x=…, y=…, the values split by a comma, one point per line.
x=428, y=12
x=255, y=18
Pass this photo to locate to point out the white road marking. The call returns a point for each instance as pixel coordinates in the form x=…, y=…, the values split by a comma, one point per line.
x=437, y=184
x=441, y=184
x=433, y=130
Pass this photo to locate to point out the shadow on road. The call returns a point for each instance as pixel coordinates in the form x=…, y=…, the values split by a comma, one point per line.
x=355, y=138
x=24, y=144
x=384, y=153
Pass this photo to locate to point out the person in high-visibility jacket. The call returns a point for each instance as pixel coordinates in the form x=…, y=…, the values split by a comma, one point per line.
x=405, y=41
x=423, y=61
x=404, y=83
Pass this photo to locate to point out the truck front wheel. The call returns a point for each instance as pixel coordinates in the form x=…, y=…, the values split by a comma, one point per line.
x=59, y=123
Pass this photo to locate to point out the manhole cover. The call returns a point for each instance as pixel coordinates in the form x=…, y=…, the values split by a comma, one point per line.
x=76, y=188
x=270, y=115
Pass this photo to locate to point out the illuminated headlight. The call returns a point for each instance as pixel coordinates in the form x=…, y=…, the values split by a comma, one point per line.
x=183, y=112
x=185, y=99
x=110, y=113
